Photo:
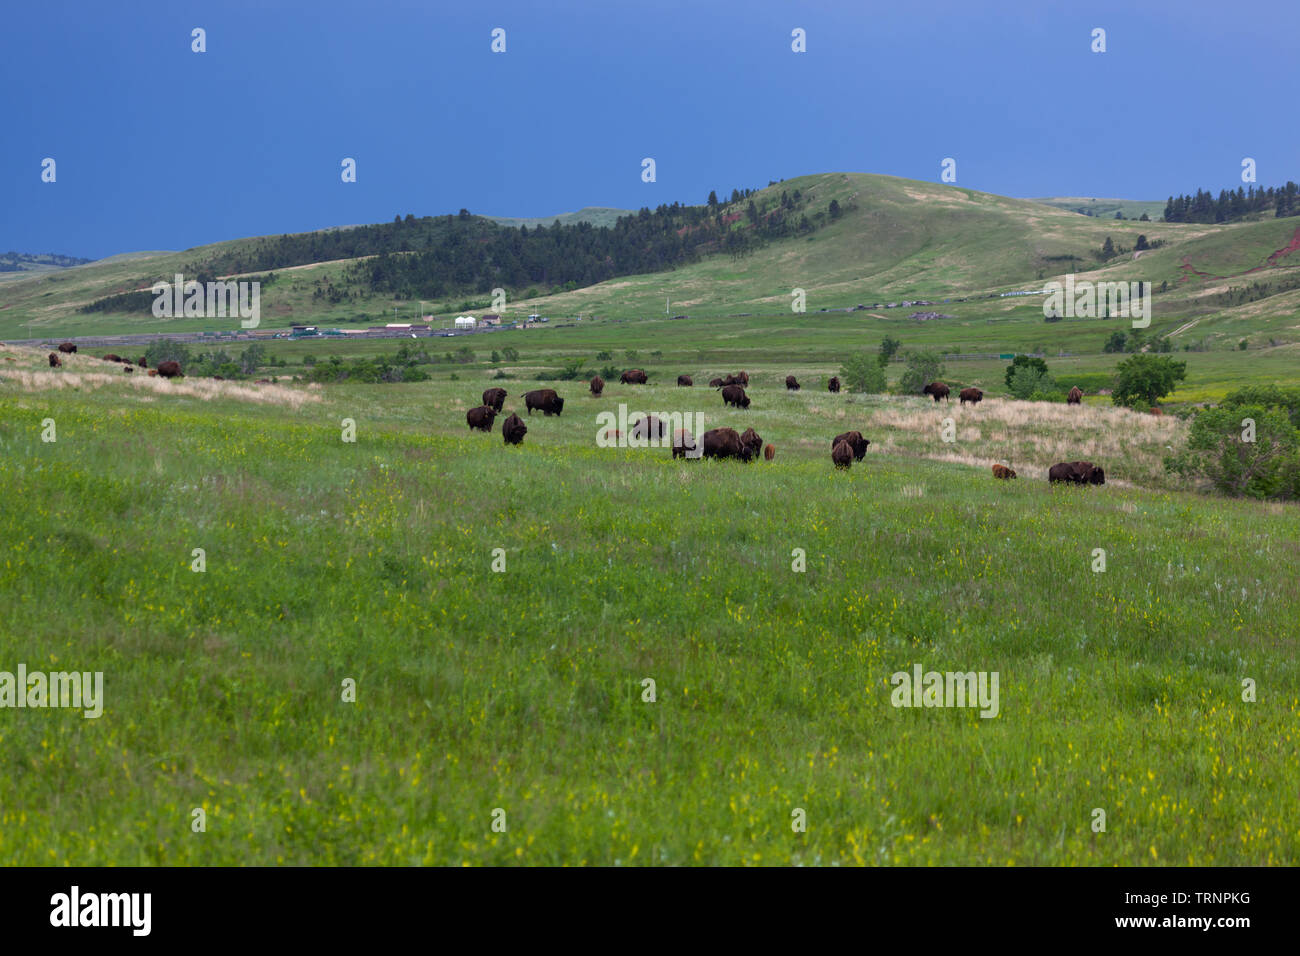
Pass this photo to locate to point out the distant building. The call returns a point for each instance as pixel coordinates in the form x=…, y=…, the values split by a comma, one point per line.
x=465, y=322
x=490, y=321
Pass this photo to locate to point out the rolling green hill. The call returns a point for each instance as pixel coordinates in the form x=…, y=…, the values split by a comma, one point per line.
x=1106, y=208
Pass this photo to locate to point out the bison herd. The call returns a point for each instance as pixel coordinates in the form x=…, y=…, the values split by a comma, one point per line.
x=846, y=448
x=164, y=369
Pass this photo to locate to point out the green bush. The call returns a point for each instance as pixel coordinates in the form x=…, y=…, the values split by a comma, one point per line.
x=1285, y=397
x=1221, y=448
x=1026, y=380
x=1142, y=380
x=863, y=373
x=923, y=367
x=1024, y=361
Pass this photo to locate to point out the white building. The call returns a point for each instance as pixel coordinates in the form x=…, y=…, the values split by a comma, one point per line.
x=465, y=322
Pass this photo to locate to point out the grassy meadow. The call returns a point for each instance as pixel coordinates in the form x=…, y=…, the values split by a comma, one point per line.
x=522, y=690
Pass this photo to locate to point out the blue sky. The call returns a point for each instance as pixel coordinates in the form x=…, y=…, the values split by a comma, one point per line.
x=158, y=147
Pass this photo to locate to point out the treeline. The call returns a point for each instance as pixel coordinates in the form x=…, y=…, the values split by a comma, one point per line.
x=18, y=261
x=142, y=300
x=1230, y=205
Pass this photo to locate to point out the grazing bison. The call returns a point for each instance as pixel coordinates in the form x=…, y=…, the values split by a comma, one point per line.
x=168, y=370
x=742, y=378
x=597, y=386
x=735, y=395
x=854, y=441
x=154, y=371
x=142, y=362
x=649, y=428
x=1157, y=410
x=683, y=444
x=833, y=386
x=1003, y=472
x=791, y=383
x=481, y=417
x=685, y=381
x=1075, y=397
x=731, y=380
x=842, y=455
x=769, y=452
x=545, y=400
x=128, y=370
x=110, y=357
x=496, y=397
x=753, y=444
x=633, y=376
x=936, y=390
x=67, y=348
x=55, y=361
x=724, y=443
x=972, y=395
x=717, y=383
x=263, y=381
x=1076, y=473
x=513, y=429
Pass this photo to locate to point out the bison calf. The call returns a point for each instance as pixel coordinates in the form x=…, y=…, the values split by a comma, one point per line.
x=55, y=361
x=769, y=452
x=1003, y=472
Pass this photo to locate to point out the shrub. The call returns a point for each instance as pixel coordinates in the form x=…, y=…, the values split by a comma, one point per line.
x=1027, y=380
x=510, y=354
x=1284, y=397
x=1220, y=448
x=1024, y=361
x=922, y=368
x=164, y=350
x=1142, y=380
x=863, y=373
x=604, y=356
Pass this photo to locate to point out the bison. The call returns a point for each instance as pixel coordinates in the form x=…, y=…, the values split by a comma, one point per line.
x=854, y=441
x=833, y=386
x=972, y=395
x=731, y=380
x=169, y=369
x=685, y=381
x=742, y=378
x=1003, y=472
x=842, y=455
x=717, y=383
x=481, y=417
x=110, y=357
x=633, y=376
x=649, y=428
x=1076, y=473
x=154, y=371
x=724, y=443
x=769, y=452
x=55, y=361
x=1075, y=397
x=142, y=361
x=597, y=386
x=684, y=444
x=735, y=395
x=753, y=444
x=936, y=390
x=545, y=400
x=513, y=429
x=128, y=370
x=496, y=397
x=67, y=348
x=792, y=383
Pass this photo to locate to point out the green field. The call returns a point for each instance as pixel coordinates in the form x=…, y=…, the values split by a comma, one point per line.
x=523, y=690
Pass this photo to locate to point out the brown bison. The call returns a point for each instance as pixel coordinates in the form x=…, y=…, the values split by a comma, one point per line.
x=842, y=455
x=545, y=400
x=68, y=348
x=936, y=390
x=769, y=452
x=481, y=417
x=685, y=381
x=128, y=370
x=731, y=380
x=742, y=378
x=1157, y=410
x=1076, y=473
x=496, y=397
x=972, y=395
x=735, y=395
x=1075, y=397
x=55, y=361
x=169, y=369
x=724, y=443
x=833, y=386
x=513, y=429
x=649, y=428
x=753, y=444
x=154, y=371
x=717, y=383
x=791, y=383
x=633, y=376
x=855, y=441
x=141, y=362
x=1003, y=472
x=110, y=357
x=683, y=444
x=597, y=386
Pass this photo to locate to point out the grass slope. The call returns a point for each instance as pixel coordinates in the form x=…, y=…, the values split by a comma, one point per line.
x=523, y=690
